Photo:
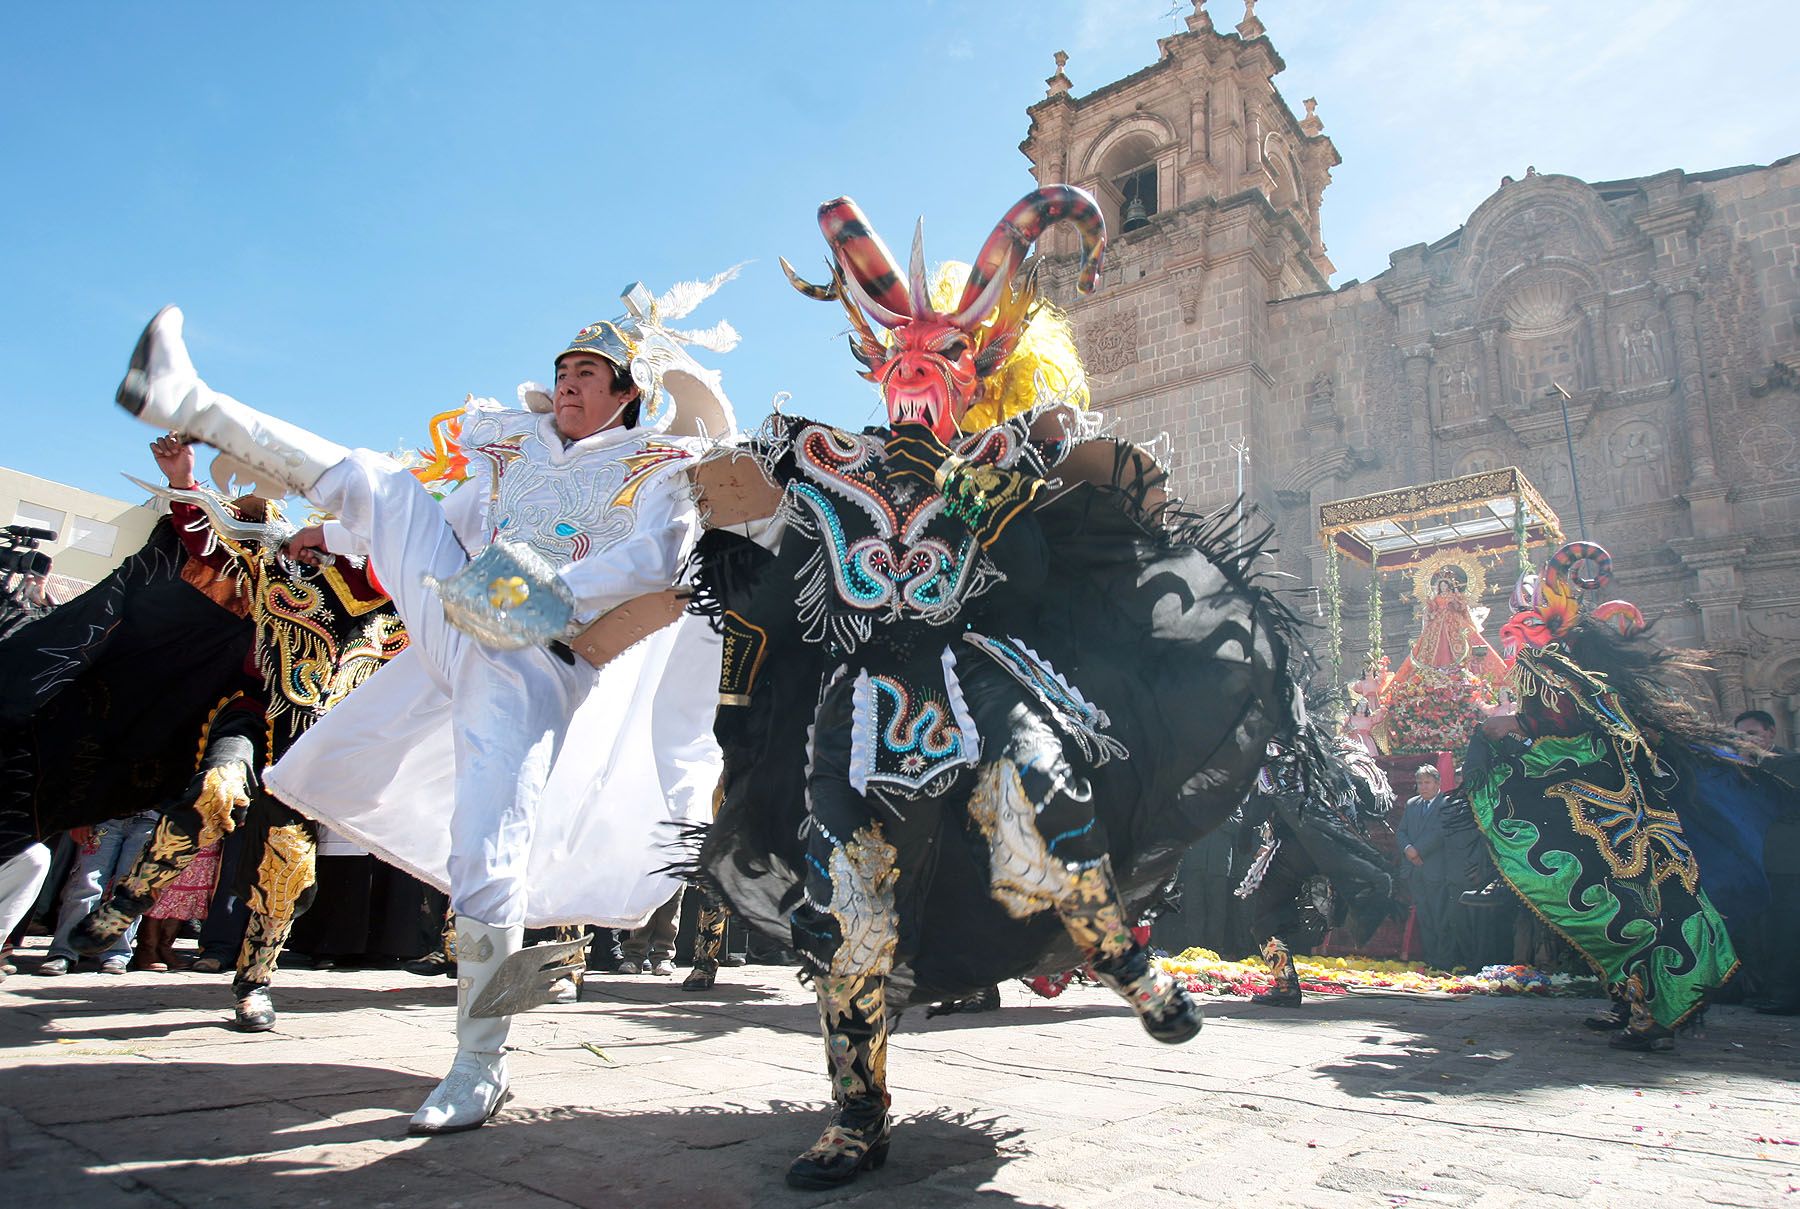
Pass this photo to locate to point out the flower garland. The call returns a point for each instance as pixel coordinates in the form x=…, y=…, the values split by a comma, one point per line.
x=1375, y=613
x=1519, y=537
x=1204, y=971
x=1334, y=632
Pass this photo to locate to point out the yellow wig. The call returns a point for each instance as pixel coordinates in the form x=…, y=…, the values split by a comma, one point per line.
x=1045, y=350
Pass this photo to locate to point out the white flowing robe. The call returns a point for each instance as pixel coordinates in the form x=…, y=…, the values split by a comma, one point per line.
x=403, y=769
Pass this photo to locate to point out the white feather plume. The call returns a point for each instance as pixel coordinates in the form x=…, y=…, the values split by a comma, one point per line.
x=684, y=296
x=721, y=337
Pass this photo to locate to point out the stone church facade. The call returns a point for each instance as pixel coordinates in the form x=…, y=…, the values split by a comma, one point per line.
x=1666, y=306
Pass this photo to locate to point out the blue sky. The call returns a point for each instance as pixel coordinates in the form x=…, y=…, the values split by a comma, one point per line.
x=369, y=210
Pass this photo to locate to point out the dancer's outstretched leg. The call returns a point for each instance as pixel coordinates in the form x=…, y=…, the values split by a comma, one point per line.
x=21, y=877
x=1286, y=991
x=477, y=1085
x=853, y=1018
x=1046, y=851
x=163, y=389
x=847, y=928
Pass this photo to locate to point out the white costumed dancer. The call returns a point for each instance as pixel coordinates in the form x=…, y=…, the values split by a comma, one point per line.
x=546, y=723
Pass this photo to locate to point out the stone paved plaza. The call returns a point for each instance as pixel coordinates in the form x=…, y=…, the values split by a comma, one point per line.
x=132, y=1091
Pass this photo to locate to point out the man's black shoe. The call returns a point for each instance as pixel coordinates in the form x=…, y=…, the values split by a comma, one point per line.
x=1490, y=895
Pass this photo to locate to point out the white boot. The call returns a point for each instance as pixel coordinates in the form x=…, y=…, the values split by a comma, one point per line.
x=476, y=1086
x=20, y=879
x=162, y=388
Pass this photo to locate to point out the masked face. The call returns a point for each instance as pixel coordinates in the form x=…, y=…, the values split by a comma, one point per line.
x=1523, y=630
x=929, y=377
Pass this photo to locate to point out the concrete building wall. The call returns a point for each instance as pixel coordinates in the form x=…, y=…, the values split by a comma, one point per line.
x=93, y=532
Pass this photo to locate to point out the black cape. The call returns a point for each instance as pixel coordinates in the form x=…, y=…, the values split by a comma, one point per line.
x=103, y=699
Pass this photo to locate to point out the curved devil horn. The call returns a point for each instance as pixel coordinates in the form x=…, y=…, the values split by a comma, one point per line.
x=1524, y=593
x=1559, y=589
x=1568, y=563
x=915, y=275
x=1013, y=236
x=819, y=293
x=870, y=272
x=218, y=514
x=1622, y=616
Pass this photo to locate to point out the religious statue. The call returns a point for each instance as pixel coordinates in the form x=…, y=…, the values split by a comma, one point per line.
x=1446, y=684
x=1450, y=638
x=1367, y=713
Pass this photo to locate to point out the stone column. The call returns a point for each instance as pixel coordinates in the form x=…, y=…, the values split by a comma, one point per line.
x=1600, y=350
x=1415, y=402
x=1729, y=658
x=1679, y=306
x=1492, y=389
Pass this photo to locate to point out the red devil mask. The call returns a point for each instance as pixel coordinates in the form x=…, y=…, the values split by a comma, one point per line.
x=1548, y=605
x=931, y=367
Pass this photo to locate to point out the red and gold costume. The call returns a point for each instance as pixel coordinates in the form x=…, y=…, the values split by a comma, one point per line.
x=320, y=631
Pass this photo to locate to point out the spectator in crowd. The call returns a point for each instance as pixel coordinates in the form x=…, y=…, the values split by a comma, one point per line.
x=1778, y=978
x=106, y=851
x=1207, y=915
x=228, y=915
x=606, y=951
x=651, y=948
x=186, y=898
x=1480, y=915
x=1428, y=867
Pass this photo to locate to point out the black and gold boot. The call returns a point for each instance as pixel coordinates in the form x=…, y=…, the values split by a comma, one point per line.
x=853, y=1016
x=1642, y=1034
x=1614, y=1018
x=1286, y=991
x=264, y=939
x=709, y=943
x=285, y=875
x=1095, y=919
x=441, y=961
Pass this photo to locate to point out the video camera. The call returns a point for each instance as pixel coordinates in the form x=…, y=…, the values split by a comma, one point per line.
x=21, y=561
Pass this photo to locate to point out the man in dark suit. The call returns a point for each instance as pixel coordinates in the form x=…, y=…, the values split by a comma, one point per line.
x=1773, y=957
x=1428, y=867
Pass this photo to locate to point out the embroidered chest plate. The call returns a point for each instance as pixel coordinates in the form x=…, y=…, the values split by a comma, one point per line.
x=887, y=551
x=567, y=512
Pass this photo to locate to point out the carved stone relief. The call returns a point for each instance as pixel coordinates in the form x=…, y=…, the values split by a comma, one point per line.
x=1477, y=460
x=1321, y=394
x=1552, y=478
x=1539, y=362
x=1458, y=392
x=1639, y=462
x=1769, y=450
x=1640, y=352
x=1190, y=287
x=1112, y=344
x=1546, y=341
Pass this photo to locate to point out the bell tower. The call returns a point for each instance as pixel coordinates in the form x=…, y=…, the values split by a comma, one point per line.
x=1211, y=188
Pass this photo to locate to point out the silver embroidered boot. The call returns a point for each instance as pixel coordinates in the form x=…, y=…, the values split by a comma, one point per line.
x=476, y=1086
x=163, y=389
